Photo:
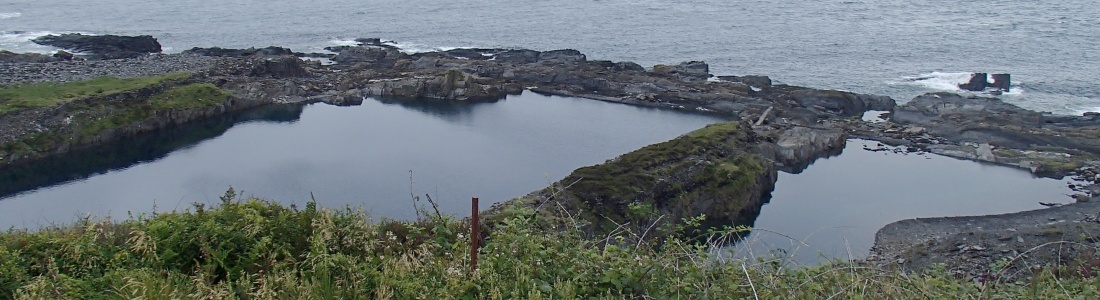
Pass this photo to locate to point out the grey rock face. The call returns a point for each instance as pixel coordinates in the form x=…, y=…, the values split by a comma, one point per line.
x=103, y=46
x=696, y=70
x=797, y=147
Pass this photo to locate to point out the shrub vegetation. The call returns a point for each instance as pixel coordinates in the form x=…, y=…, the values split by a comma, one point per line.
x=257, y=249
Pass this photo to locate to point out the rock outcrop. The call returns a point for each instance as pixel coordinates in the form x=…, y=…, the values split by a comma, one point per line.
x=991, y=130
x=450, y=85
x=980, y=82
x=719, y=171
x=216, y=51
x=103, y=46
x=971, y=247
x=11, y=57
x=756, y=81
x=798, y=147
x=690, y=70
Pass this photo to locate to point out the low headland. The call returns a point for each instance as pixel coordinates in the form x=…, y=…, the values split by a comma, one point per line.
x=642, y=225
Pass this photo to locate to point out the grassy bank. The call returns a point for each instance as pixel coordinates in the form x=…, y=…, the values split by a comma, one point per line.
x=88, y=121
x=49, y=94
x=255, y=249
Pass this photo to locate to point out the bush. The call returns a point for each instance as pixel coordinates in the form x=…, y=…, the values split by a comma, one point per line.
x=257, y=249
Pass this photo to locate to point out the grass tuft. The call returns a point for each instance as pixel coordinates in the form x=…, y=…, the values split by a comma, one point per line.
x=190, y=96
x=49, y=94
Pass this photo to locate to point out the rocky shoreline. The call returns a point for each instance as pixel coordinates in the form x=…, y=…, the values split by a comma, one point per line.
x=792, y=125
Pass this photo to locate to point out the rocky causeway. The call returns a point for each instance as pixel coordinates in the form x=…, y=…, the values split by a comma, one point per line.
x=783, y=127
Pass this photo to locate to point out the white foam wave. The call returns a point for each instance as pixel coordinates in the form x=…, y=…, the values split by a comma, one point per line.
x=407, y=48
x=950, y=81
x=20, y=41
x=944, y=81
x=9, y=15
x=412, y=48
x=1086, y=110
x=343, y=42
x=21, y=36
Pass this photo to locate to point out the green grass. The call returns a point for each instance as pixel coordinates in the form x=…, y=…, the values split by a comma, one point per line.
x=92, y=118
x=190, y=96
x=256, y=249
x=49, y=94
x=712, y=165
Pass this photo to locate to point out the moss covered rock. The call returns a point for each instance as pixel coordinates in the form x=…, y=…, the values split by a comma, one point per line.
x=718, y=171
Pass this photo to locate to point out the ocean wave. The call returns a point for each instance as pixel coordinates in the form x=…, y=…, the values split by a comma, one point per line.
x=1087, y=110
x=412, y=48
x=343, y=42
x=407, y=48
x=949, y=81
x=22, y=36
x=20, y=41
x=9, y=15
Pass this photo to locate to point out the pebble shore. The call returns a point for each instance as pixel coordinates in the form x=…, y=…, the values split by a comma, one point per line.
x=79, y=70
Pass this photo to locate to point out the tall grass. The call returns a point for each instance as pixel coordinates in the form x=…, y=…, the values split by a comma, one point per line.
x=27, y=96
x=257, y=249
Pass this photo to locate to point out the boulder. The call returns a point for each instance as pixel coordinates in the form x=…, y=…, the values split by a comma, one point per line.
x=561, y=56
x=978, y=82
x=841, y=103
x=103, y=46
x=604, y=64
x=756, y=81
x=1002, y=82
x=518, y=56
x=224, y=52
x=985, y=153
x=12, y=57
x=62, y=54
x=279, y=67
x=798, y=147
x=696, y=70
x=628, y=66
x=376, y=57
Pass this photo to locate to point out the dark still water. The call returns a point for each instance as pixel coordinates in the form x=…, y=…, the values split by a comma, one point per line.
x=833, y=208
x=358, y=156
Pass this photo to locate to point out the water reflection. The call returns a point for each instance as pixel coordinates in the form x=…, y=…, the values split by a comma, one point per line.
x=357, y=155
x=834, y=207
x=124, y=153
x=451, y=111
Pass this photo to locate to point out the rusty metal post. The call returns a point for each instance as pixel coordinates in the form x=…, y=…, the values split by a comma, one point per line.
x=475, y=234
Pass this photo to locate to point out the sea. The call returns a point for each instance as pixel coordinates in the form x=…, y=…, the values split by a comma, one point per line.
x=899, y=48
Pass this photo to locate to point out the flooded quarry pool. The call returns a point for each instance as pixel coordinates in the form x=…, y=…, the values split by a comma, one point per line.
x=380, y=154
x=833, y=208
